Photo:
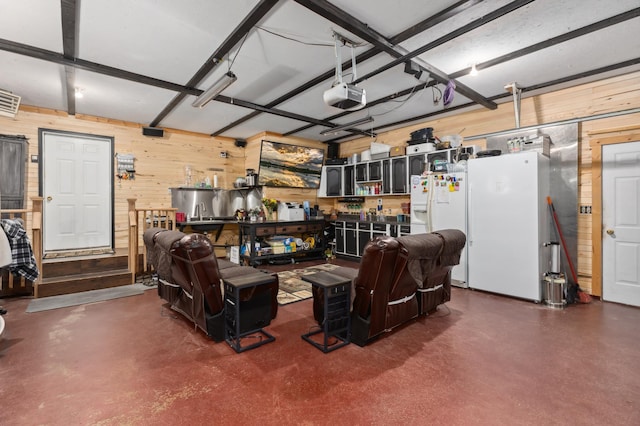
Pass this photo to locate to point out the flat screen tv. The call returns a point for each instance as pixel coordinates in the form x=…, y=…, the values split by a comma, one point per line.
x=290, y=166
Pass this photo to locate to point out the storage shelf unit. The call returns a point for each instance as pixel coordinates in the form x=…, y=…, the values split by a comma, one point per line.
x=391, y=175
x=252, y=232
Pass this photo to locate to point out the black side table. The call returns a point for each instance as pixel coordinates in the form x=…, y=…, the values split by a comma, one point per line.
x=243, y=318
x=336, y=310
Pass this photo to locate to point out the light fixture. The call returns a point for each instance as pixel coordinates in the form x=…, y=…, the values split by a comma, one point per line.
x=474, y=70
x=79, y=94
x=215, y=89
x=347, y=126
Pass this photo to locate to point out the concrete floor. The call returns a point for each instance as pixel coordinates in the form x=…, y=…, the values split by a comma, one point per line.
x=481, y=359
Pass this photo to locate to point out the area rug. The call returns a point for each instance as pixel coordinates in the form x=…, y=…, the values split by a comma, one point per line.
x=92, y=296
x=293, y=288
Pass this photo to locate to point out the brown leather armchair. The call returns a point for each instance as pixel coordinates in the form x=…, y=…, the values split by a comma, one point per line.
x=399, y=279
x=190, y=279
x=431, y=257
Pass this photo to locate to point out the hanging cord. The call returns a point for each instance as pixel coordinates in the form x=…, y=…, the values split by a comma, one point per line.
x=404, y=101
x=286, y=37
x=237, y=51
x=436, y=99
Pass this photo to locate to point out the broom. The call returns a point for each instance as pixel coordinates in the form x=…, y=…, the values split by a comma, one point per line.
x=574, y=293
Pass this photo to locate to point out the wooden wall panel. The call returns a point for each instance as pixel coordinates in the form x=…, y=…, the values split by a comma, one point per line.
x=160, y=161
x=600, y=97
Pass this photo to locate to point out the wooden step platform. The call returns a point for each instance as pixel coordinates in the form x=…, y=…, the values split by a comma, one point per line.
x=77, y=274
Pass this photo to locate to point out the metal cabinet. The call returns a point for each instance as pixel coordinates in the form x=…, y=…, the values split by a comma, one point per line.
x=364, y=236
x=375, y=171
x=334, y=181
x=416, y=164
x=350, y=239
x=348, y=176
x=386, y=177
x=399, y=176
x=339, y=230
x=378, y=230
x=362, y=172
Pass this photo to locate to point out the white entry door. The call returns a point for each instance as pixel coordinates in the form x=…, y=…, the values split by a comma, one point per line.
x=77, y=191
x=621, y=223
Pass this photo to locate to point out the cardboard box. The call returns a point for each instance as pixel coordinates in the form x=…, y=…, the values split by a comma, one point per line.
x=277, y=247
x=397, y=151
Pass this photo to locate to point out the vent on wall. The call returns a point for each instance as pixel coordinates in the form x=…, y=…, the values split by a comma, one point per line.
x=9, y=104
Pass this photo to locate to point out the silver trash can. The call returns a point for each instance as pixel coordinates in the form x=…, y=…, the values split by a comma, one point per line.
x=554, y=291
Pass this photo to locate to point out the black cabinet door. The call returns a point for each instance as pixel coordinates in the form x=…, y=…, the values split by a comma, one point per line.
x=348, y=176
x=416, y=164
x=361, y=172
x=375, y=171
x=350, y=242
x=386, y=176
x=399, y=175
x=363, y=239
x=340, y=240
x=334, y=181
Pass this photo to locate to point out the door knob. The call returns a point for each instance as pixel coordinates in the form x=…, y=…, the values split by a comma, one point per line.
x=49, y=198
x=610, y=231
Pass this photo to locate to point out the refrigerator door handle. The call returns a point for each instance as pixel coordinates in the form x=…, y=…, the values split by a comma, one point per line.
x=469, y=215
x=421, y=210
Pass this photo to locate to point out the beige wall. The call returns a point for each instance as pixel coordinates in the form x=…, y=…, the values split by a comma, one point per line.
x=160, y=161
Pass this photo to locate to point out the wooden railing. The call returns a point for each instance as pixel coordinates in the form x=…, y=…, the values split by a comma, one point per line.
x=139, y=221
x=10, y=284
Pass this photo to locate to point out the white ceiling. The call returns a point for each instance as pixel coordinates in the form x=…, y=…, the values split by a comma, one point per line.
x=133, y=60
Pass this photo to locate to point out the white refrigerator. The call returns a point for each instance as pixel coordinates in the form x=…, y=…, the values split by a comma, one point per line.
x=439, y=201
x=509, y=224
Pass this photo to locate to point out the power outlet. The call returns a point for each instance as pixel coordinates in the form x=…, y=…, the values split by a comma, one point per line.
x=585, y=209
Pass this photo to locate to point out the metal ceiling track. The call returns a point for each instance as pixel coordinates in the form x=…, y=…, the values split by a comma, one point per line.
x=439, y=17
x=69, y=13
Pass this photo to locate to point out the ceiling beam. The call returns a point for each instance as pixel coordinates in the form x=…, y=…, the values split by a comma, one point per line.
x=362, y=30
x=434, y=20
x=241, y=31
x=77, y=63
x=498, y=13
x=546, y=85
x=617, y=19
x=439, y=17
x=69, y=12
x=50, y=56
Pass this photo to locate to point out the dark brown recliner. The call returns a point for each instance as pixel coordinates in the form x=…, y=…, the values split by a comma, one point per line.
x=437, y=288
x=190, y=280
x=399, y=279
x=385, y=293
x=424, y=254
